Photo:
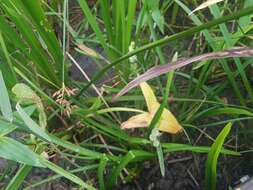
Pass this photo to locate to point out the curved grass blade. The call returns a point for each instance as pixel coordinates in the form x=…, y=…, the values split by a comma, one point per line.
x=211, y=163
x=162, y=69
x=212, y=41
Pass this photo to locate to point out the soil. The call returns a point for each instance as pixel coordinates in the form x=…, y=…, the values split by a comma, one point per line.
x=186, y=171
x=183, y=171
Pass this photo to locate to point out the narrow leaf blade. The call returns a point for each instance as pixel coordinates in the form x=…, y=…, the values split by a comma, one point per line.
x=5, y=104
x=211, y=163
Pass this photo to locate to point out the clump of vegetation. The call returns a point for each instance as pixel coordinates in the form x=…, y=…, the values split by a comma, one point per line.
x=106, y=94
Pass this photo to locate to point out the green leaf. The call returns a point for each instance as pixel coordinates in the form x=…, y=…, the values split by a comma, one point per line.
x=5, y=105
x=14, y=150
x=34, y=127
x=211, y=163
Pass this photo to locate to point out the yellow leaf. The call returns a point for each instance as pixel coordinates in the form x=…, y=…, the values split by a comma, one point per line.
x=168, y=123
x=140, y=120
x=205, y=4
x=149, y=96
x=88, y=51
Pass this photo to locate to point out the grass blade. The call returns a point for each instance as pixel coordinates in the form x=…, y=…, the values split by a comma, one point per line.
x=211, y=163
x=5, y=105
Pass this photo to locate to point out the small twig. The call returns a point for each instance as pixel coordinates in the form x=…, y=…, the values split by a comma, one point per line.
x=179, y=160
x=192, y=177
x=65, y=124
x=93, y=86
x=199, y=137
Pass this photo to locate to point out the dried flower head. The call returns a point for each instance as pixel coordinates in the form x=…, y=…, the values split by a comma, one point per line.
x=60, y=98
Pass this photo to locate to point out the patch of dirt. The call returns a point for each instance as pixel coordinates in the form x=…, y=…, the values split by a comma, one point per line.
x=186, y=171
